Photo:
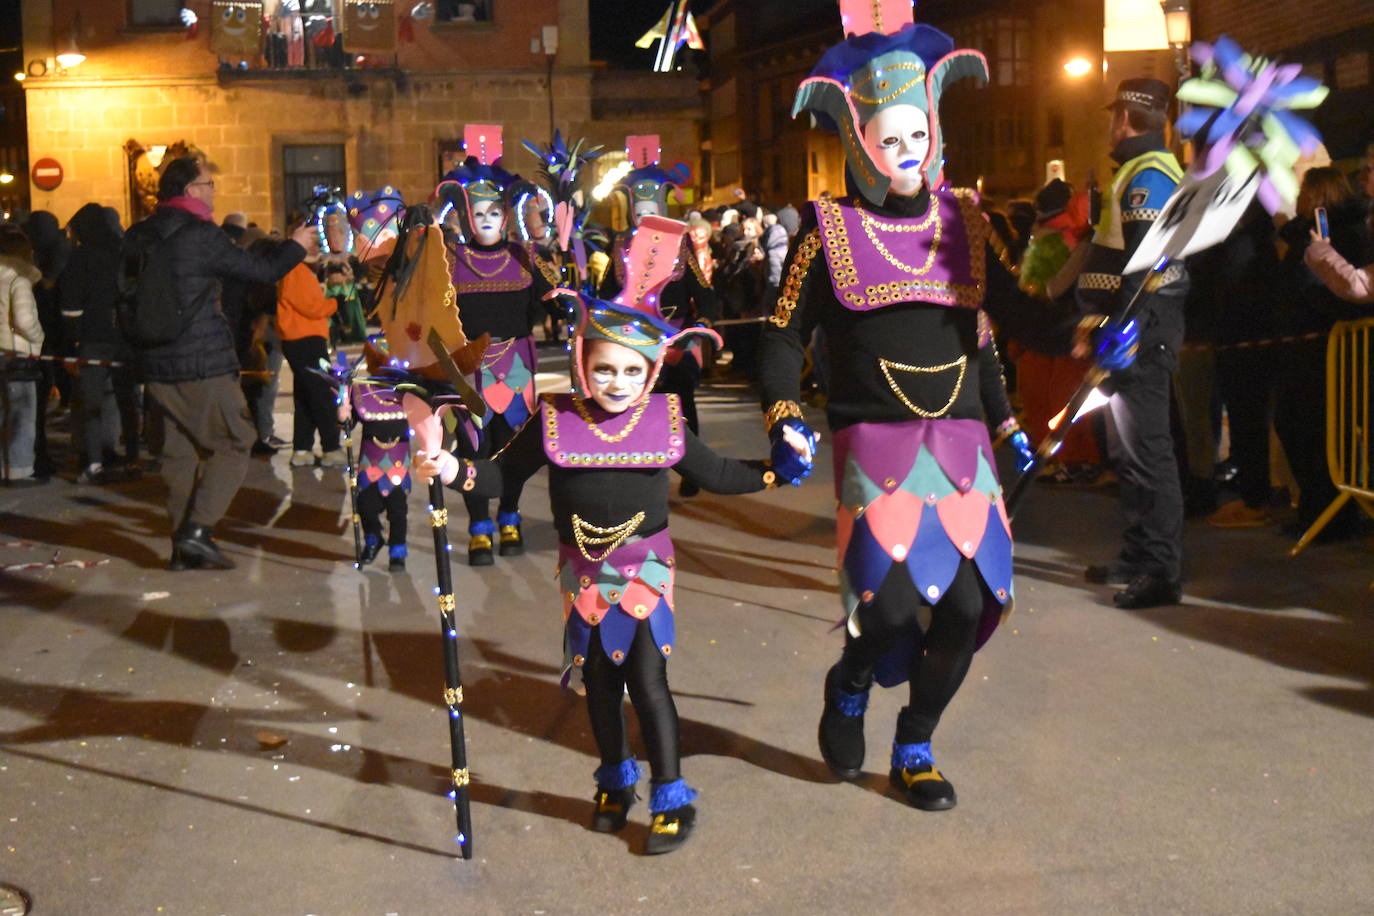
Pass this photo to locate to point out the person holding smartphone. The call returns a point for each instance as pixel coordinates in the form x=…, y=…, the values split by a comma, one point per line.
x=1341, y=276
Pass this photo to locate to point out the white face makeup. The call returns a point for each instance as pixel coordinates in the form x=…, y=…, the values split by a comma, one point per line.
x=488, y=221
x=616, y=375
x=645, y=208
x=898, y=139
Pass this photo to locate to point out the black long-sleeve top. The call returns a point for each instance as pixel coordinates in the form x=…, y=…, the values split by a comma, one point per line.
x=904, y=335
x=609, y=496
x=507, y=314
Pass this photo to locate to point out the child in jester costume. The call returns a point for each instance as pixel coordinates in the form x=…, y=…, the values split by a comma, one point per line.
x=502, y=295
x=608, y=446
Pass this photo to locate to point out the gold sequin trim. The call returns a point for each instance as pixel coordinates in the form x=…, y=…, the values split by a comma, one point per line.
x=887, y=365
x=438, y=518
x=796, y=274
x=461, y=778
x=453, y=696
x=446, y=603
x=883, y=100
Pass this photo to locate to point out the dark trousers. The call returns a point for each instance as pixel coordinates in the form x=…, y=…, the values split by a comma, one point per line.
x=316, y=410
x=493, y=439
x=1244, y=380
x=1151, y=495
x=371, y=505
x=208, y=433
x=644, y=672
x=1300, y=421
x=943, y=652
x=96, y=383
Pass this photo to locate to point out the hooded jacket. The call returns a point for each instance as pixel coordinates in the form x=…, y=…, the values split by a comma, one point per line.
x=19, y=326
x=89, y=286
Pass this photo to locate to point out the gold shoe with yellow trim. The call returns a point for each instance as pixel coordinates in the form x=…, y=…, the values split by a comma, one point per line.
x=479, y=550
x=670, y=829
x=925, y=787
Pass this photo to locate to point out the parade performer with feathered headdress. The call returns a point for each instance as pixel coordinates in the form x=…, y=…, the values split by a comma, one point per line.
x=502, y=295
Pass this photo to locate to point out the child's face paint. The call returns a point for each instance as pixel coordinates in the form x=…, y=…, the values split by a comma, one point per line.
x=616, y=375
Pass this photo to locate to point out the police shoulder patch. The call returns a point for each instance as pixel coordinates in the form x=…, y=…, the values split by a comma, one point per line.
x=1137, y=197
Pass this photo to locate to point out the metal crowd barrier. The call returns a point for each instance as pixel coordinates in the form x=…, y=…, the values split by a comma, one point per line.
x=1348, y=421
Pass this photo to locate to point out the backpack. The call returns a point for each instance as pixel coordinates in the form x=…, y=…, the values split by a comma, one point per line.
x=147, y=309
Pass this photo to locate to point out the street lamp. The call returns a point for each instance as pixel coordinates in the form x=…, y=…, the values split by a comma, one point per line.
x=1078, y=67
x=70, y=55
x=1178, y=27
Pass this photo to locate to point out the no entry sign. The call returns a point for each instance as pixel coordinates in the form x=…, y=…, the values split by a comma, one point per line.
x=47, y=174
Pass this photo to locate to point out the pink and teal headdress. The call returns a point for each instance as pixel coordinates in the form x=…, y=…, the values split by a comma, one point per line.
x=634, y=319
x=479, y=178
x=647, y=181
x=885, y=59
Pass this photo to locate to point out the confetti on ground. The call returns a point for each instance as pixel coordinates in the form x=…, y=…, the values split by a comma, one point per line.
x=155, y=596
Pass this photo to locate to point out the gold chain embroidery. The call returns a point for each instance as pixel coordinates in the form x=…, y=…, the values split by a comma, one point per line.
x=883, y=100
x=384, y=443
x=469, y=254
x=489, y=361
x=887, y=365
x=796, y=274
x=596, y=430
x=550, y=270
x=781, y=411
x=869, y=223
x=593, y=536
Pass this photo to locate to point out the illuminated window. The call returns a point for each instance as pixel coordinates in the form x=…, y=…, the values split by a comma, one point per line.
x=155, y=12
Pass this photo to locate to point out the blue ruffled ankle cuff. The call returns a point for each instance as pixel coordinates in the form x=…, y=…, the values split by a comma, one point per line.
x=851, y=704
x=485, y=526
x=371, y=540
x=619, y=776
x=398, y=551
x=911, y=756
x=671, y=795
x=508, y=518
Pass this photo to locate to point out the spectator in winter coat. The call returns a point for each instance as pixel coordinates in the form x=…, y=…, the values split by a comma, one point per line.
x=21, y=338
x=88, y=292
x=303, y=325
x=194, y=377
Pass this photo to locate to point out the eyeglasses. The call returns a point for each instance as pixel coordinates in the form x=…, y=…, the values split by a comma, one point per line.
x=209, y=183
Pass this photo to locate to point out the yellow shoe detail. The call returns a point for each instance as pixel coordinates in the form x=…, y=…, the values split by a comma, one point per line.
x=931, y=775
x=479, y=542
x=661, y=825
x=510, y=534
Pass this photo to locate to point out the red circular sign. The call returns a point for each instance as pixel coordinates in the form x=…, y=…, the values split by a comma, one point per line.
x=46, y=174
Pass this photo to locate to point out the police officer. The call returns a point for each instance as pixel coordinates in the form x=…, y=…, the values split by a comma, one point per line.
x=1150, y=561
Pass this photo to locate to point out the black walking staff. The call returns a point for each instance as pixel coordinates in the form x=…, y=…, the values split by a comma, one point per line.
x=427, y=431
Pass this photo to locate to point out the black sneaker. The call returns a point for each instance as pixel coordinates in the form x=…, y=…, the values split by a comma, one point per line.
x=1145, y=591
x=262, y=449
x=670, y=829
x=840, y=733
x=925, y=787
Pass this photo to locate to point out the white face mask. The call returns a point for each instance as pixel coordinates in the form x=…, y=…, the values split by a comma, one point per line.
x=488, y=221
x=645, y=208
x=898, y=139
x=616, y=375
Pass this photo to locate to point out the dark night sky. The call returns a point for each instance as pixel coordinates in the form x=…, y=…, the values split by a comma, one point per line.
x=617, y=24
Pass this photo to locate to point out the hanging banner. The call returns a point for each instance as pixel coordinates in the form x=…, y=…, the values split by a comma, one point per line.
x=236, y=29
x=369, y=26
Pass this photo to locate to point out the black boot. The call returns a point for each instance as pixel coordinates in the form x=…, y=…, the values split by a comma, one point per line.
x=396, y=555
x=194, y=543
x=841, y=732
x=670, y=826
x=479, y=543
x=612, y=809
x=372, y=545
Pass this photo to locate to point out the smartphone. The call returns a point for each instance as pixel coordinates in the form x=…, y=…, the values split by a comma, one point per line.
x=1323, y=228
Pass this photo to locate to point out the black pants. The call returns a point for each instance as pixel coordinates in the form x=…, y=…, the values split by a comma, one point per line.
x=1244, y=380
x=645, y=673
x=312, y=396
x=371, y=505
x=944, y=650
x=1300, y=421
x=1151, y=495
x=94, y=383
x=494, y=438
x=682, y=380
